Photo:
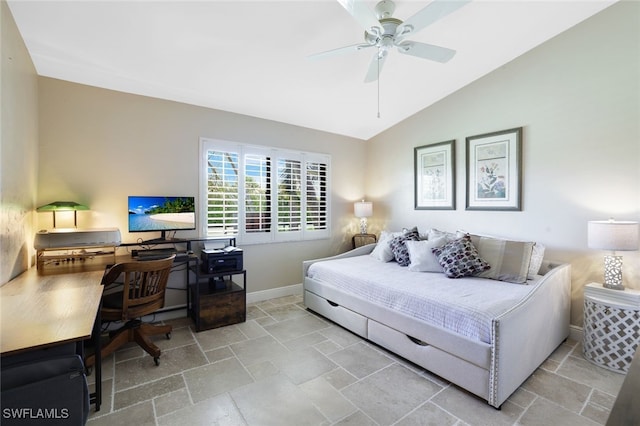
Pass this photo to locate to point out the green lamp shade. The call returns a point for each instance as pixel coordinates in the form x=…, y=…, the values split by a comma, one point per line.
x=63, y=206
x=60, y=206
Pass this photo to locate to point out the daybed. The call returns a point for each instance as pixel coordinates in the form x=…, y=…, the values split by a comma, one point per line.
x=484, y=335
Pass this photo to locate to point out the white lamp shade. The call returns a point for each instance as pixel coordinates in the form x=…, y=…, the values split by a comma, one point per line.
x=613, y=235
x=363, y=209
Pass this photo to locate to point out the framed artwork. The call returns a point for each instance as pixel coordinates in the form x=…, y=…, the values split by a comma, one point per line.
x=434, y=176
x=494, y=171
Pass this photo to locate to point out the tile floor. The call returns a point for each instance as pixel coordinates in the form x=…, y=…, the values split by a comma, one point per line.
x=287, y=366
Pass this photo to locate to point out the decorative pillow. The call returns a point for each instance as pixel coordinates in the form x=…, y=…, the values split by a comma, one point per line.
x=421, y=257
x=450, y=236
x=382, y=250
x=399, y=248
x=509, y=260
x=459, y=258
x=537, y=254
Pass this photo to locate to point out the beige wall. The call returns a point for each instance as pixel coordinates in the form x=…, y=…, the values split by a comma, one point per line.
x=577, y=97
x=99, y=146
x=18, y=150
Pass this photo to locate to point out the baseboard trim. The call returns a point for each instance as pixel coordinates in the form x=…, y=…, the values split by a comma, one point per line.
x=575, y=333
x=273, y=293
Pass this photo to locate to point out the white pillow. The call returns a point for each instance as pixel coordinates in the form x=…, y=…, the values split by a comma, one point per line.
x=421, y=257
x=382, y=250
x=450, y=236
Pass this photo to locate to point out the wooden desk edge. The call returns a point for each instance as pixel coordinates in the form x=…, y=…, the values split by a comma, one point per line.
x=30, y=283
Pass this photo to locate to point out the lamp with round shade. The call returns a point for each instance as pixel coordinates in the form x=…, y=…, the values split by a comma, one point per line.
x=363, y=209
x=615, y=236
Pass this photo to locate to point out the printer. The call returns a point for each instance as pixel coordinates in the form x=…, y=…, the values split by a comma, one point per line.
x=218, y=260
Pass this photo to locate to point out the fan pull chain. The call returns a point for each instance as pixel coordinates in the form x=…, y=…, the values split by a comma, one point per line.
x=378, y=81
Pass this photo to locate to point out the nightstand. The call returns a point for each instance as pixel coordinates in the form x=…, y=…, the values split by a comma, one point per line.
x=359, y=240
x=611, y=326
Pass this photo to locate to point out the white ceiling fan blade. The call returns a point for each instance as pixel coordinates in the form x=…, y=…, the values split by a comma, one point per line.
x=375, y=66
x=365, y=16
x=426, y=51
x=434, y=11
x=340, y=51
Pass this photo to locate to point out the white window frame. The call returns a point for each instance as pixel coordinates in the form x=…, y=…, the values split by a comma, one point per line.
x=275, y=154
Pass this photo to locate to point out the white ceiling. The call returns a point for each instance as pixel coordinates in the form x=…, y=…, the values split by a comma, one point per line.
x=250, y=57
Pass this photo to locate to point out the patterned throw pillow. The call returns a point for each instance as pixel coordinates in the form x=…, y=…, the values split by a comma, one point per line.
x=399, y=248
x=459, y=258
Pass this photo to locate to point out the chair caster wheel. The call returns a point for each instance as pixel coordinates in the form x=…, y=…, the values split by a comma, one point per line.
x=156, y=360
x=168, y=336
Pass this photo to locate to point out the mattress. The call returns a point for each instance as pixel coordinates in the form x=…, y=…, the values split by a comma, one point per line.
x=465, y=306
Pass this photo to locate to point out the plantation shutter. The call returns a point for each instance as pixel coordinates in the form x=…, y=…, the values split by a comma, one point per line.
x=316, y=196
x=222, y=192
x=258, y=211
x=289, y=184
x=262, y=194
x=257, y=172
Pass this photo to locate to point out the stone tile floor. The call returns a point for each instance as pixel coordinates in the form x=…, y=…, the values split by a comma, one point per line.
x=288, y=366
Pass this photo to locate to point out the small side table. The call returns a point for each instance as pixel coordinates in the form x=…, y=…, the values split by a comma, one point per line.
x=611, y=326
x=359, y=240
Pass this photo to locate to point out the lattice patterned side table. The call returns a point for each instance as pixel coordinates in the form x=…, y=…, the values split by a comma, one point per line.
x=611, y=326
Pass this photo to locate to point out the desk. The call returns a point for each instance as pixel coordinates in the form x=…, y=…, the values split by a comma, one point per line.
x=41, y=311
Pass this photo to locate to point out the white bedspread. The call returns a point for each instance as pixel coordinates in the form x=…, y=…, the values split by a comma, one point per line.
x=465, y=306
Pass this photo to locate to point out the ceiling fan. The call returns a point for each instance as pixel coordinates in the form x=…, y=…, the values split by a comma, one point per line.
x=384, y=32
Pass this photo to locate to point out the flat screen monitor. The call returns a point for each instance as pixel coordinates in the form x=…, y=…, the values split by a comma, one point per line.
x=161, y=214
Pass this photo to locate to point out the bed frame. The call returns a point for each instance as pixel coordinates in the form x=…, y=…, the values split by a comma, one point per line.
x=521, y=338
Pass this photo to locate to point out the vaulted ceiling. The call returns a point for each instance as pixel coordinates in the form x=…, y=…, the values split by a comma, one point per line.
x=252, y=57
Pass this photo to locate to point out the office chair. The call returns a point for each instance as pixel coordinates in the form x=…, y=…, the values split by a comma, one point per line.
x=143, y=290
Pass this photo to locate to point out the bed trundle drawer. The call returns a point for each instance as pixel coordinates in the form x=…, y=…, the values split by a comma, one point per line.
x=463, y=373
x=336, y=313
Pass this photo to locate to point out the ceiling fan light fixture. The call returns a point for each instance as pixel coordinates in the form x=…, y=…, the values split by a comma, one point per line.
x=384, y=31
x=386, y=43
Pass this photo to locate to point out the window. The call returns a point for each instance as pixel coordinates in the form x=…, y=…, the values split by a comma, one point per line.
x=262, y=194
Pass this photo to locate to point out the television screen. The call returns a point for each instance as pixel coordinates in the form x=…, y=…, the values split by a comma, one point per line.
x=161, y=214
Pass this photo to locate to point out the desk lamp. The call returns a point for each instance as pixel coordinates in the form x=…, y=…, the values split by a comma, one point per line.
x=62, y=206
x=363, y=210
x=613, y=235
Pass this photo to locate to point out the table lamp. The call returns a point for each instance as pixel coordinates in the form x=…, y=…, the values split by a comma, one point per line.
x=613, y=235
x=363, y=210
x=63, y=206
